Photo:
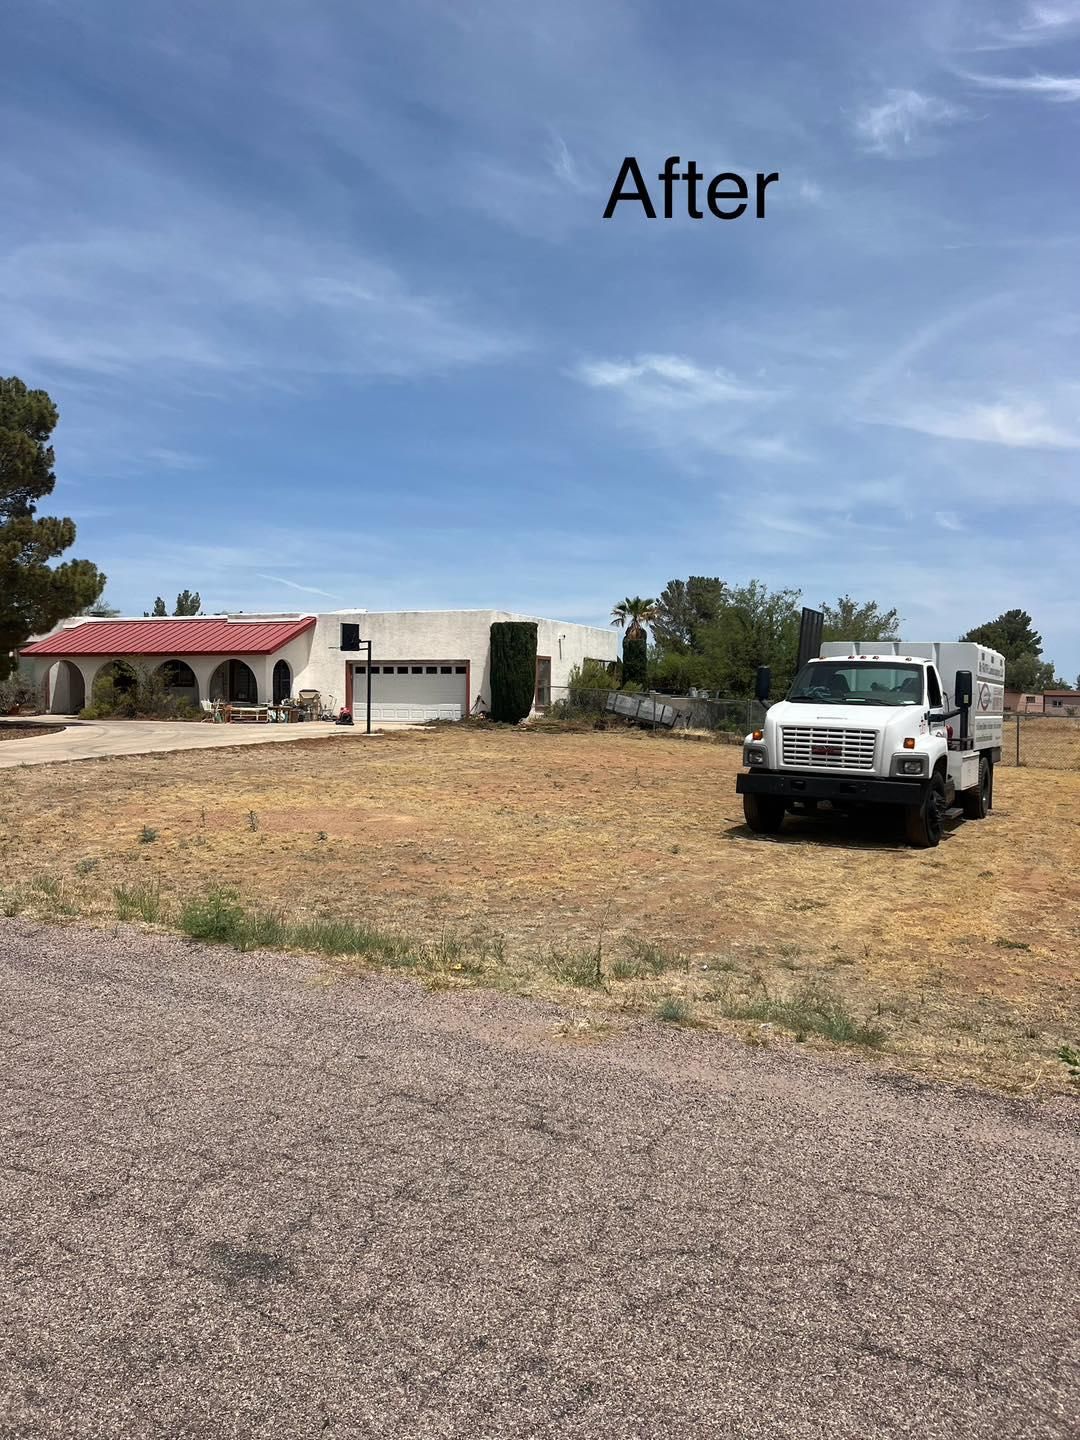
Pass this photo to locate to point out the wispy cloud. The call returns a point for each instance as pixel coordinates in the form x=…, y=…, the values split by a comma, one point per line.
x=179, y=277
x=1062, y=89
x=292, y=585
x=684, y=405
x=947, y=520
x=1042, y=22
x=1015, y=424
x=902, y=122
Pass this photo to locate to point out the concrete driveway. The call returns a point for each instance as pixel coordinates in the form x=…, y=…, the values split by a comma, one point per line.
x=242, y=1198
x=94, y=739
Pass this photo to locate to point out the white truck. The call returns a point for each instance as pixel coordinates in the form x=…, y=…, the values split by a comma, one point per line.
x=914, y=724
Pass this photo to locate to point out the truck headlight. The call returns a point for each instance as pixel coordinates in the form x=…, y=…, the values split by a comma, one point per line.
x=754, y=755
x=909, y=765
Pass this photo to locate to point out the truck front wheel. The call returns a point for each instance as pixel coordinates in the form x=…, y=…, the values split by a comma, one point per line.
x=926, y=822
x=764, y=813
x=977, y=802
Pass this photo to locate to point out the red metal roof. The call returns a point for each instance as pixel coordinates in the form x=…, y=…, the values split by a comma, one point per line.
x=214, y=635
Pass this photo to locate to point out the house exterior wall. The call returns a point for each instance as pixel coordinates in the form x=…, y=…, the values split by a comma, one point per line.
x=459, y=635
x=317, y=662
x=1024, y=702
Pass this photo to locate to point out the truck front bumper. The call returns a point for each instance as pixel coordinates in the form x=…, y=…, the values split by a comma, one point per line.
x=841, y=789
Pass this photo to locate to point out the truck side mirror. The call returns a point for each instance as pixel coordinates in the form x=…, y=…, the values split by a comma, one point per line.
x=964, y=691
x=763, y=684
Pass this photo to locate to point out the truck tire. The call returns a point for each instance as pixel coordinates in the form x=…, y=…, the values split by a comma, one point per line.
x=977, y=802
x=926, y=822
x=764, y=813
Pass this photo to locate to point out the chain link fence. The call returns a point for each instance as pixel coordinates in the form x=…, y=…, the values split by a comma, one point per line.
x=725, y=716
x=1048, y=742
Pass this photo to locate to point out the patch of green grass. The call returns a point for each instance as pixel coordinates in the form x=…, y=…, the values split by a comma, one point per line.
x=1004, y=944
x=147, y=835
x=217, y=916
x=87, y=866
x=52, y=891
x=138, y=902
x=331, y=936
x=581, y=967
x=673, y=1010
x=813, y=1009
x=11, y=902
x=1069, y=1056
x=645, y=958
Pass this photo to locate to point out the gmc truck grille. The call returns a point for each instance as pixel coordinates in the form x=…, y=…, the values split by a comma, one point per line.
x=823, y=747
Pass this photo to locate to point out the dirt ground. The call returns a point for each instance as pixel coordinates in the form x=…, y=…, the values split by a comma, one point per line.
x=553, y=843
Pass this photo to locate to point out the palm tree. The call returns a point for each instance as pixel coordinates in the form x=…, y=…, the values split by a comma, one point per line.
x=634, y=614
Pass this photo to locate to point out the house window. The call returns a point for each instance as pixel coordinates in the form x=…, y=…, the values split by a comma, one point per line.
x=432, y=669
x=403, y=669
x=459, y=670
x=418, y=669
x=446, y=669
x=362, y=670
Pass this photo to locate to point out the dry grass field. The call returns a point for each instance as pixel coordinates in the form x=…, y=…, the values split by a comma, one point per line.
x=610, y=869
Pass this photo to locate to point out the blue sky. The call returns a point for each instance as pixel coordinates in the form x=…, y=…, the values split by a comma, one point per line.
x=326, y=300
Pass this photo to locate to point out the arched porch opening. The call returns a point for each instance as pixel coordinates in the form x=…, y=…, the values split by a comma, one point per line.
x=282, y=682
x=234, y=682
x=68, y=695
x=180, y=681
x=113, y=682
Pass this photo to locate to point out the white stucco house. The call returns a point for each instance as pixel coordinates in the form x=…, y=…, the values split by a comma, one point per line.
x=425, y=664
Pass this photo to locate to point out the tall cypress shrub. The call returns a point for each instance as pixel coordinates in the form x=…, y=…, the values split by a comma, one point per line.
x=513, y=669
x=634, y=666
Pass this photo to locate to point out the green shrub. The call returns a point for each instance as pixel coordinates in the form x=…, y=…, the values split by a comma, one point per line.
x=513, y=670
x=216, y=916
x=634, y=661
x=130, y=692
x=18, y=692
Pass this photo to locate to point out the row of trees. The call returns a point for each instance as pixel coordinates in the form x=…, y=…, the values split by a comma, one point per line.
x=709, y=635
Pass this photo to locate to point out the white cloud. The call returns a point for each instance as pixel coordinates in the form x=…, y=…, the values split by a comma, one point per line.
x=688, y=407
x=667, y=381
x=902, y=121
x=947, y=520
x=292, y=585
x=1017, y=425
x=1042, y=22
x=1062, y=89
x=231, y=297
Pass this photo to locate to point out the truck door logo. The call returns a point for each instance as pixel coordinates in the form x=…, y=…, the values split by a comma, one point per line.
x=984, y=697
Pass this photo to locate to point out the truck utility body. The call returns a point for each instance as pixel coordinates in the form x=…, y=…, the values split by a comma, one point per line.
x=914, y=724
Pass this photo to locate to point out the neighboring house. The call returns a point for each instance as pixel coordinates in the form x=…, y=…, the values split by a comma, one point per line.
x=1061, y=702
x=425, y=665
x=1024, y=704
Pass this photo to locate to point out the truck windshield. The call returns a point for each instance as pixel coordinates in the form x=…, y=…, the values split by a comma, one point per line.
x=852, y=682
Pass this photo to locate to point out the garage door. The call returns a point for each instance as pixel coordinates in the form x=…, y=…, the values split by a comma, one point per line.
x=412, y=690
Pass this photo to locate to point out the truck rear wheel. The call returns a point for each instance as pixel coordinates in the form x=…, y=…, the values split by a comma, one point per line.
x=764, y=813
x=977, y=802
x=926, y=822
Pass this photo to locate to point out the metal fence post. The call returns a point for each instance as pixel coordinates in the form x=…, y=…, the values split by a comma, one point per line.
x=1018, y=738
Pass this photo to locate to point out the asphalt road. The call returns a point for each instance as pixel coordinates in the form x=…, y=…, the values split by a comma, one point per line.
x=240, y=1201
